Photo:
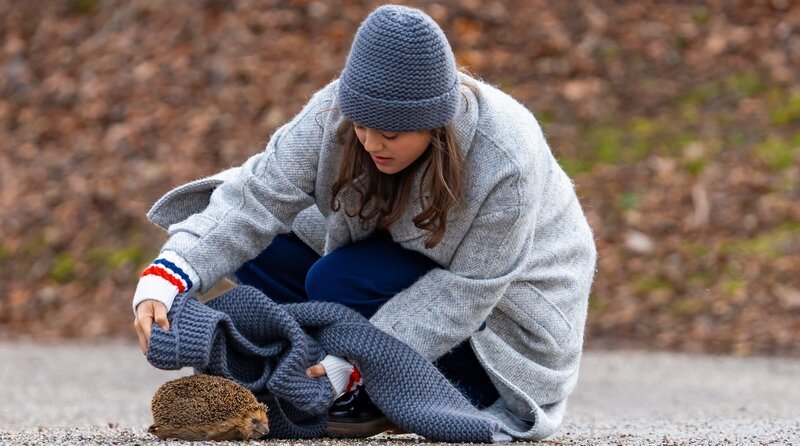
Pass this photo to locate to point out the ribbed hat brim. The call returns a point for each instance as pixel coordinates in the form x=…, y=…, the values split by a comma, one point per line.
x=397, y=116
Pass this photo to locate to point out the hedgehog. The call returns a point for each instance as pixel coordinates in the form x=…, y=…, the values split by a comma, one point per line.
x=207, y=407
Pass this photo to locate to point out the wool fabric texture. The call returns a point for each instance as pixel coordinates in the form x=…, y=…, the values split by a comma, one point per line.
x=266, y=347
x=400, y=74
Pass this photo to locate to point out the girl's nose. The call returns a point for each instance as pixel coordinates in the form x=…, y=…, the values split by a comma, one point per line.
x=372, y=142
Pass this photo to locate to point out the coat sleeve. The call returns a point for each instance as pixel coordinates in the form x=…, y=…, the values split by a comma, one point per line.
x=445, y=306
x=247, y=211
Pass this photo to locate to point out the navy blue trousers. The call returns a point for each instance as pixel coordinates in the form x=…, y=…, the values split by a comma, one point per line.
x=363, y=276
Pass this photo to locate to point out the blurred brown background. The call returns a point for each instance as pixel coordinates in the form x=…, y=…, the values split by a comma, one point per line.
x=678, y=121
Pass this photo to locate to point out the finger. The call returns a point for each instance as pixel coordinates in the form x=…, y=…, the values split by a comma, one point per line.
x=140, y=334
x=315, y=371
x=161, y=316
x=146, y=319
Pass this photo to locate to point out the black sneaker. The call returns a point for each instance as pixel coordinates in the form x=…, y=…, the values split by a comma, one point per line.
x=354, y=415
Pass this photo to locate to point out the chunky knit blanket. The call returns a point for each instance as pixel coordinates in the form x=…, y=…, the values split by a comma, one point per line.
x=244, y=336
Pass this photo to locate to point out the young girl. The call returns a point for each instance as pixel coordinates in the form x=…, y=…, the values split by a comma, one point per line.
x=425, y=199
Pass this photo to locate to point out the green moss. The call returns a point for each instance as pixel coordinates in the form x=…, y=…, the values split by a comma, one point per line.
x=701, y=94
x=695, y=166
x=701, y=15
x=574, y=166
x=641, y=132
x=739, y=85
x=628, y=200
x=642, y=127
x=684, y=307
x=696, y=250
x=132, y=255
x=778, y=153
x=545, y=117
x=744, y=85
x=34, y=246
x=699, y=279
x=633, y=140
x=84, y=7
x=63, y=269
x=786, y=110
x=4, y=254
x=617, y=143
x=762, y=245
x=770, y=244
x=689, y=112
x=505, y=85
x=105, y=259
x=649, y=283
x=97, y=256
x=733, y=286
x=605, y=142
x=789, y=185
x=596, y=304
x=675, y=144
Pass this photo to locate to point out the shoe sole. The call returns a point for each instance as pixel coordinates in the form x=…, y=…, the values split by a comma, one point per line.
x=361, y=430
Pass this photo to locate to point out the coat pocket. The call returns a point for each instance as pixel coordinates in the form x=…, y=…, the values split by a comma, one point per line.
x=538, y=320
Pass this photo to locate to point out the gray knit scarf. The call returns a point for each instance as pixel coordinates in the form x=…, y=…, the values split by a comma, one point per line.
x=244, y=336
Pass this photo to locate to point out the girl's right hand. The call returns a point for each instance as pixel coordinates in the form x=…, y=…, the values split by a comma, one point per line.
x=146, y=312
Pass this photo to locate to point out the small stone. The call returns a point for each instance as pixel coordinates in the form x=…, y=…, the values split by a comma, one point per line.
x=638, y=242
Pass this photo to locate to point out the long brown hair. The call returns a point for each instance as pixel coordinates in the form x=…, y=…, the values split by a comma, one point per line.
x=442, y=181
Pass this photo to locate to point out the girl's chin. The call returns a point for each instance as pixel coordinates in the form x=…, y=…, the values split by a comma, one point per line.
x=386, y=169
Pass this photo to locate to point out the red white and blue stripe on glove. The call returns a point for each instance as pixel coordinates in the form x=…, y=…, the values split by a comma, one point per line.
x=165, y=278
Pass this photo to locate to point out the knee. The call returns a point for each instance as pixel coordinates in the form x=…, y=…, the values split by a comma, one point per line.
x=335, y=279
x=324, y=279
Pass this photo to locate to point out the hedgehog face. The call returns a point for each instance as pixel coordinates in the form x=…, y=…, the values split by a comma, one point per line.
x=255, y=424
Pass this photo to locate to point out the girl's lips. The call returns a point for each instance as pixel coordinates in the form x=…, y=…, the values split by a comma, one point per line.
x=380, y=159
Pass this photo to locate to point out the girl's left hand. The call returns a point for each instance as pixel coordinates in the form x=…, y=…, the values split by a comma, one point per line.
x=343, y=375
x=315, y=371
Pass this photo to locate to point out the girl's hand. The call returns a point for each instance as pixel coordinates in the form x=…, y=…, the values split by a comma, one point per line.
x=147, y=312
x=315, y=371
x=343, y=375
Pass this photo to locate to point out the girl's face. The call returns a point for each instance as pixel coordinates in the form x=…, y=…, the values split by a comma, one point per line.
x=393, y=151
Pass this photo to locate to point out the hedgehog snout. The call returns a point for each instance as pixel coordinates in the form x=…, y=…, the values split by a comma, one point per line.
x=257, y=423
x=260, y=427
x=260, y=431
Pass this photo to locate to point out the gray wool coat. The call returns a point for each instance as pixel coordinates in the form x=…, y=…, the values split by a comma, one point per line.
x=518, y=254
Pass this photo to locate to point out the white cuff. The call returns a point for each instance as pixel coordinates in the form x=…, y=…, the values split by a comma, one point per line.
x=338, y=370
x=155, y=287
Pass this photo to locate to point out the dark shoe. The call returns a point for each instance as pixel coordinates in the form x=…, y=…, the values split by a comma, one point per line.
x=354, y=415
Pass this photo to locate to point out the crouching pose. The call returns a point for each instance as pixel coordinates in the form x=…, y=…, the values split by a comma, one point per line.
x=418, y=195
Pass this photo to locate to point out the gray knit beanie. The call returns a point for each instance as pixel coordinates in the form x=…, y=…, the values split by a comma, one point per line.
x=400, y=74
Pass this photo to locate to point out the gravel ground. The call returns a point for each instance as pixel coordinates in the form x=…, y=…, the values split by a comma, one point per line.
x=100, y=394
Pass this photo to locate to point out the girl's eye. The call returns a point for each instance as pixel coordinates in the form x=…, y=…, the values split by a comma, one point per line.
x=390, y=137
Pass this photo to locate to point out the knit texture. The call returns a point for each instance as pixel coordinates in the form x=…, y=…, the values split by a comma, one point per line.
x=244, y=336
x=400, y=74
